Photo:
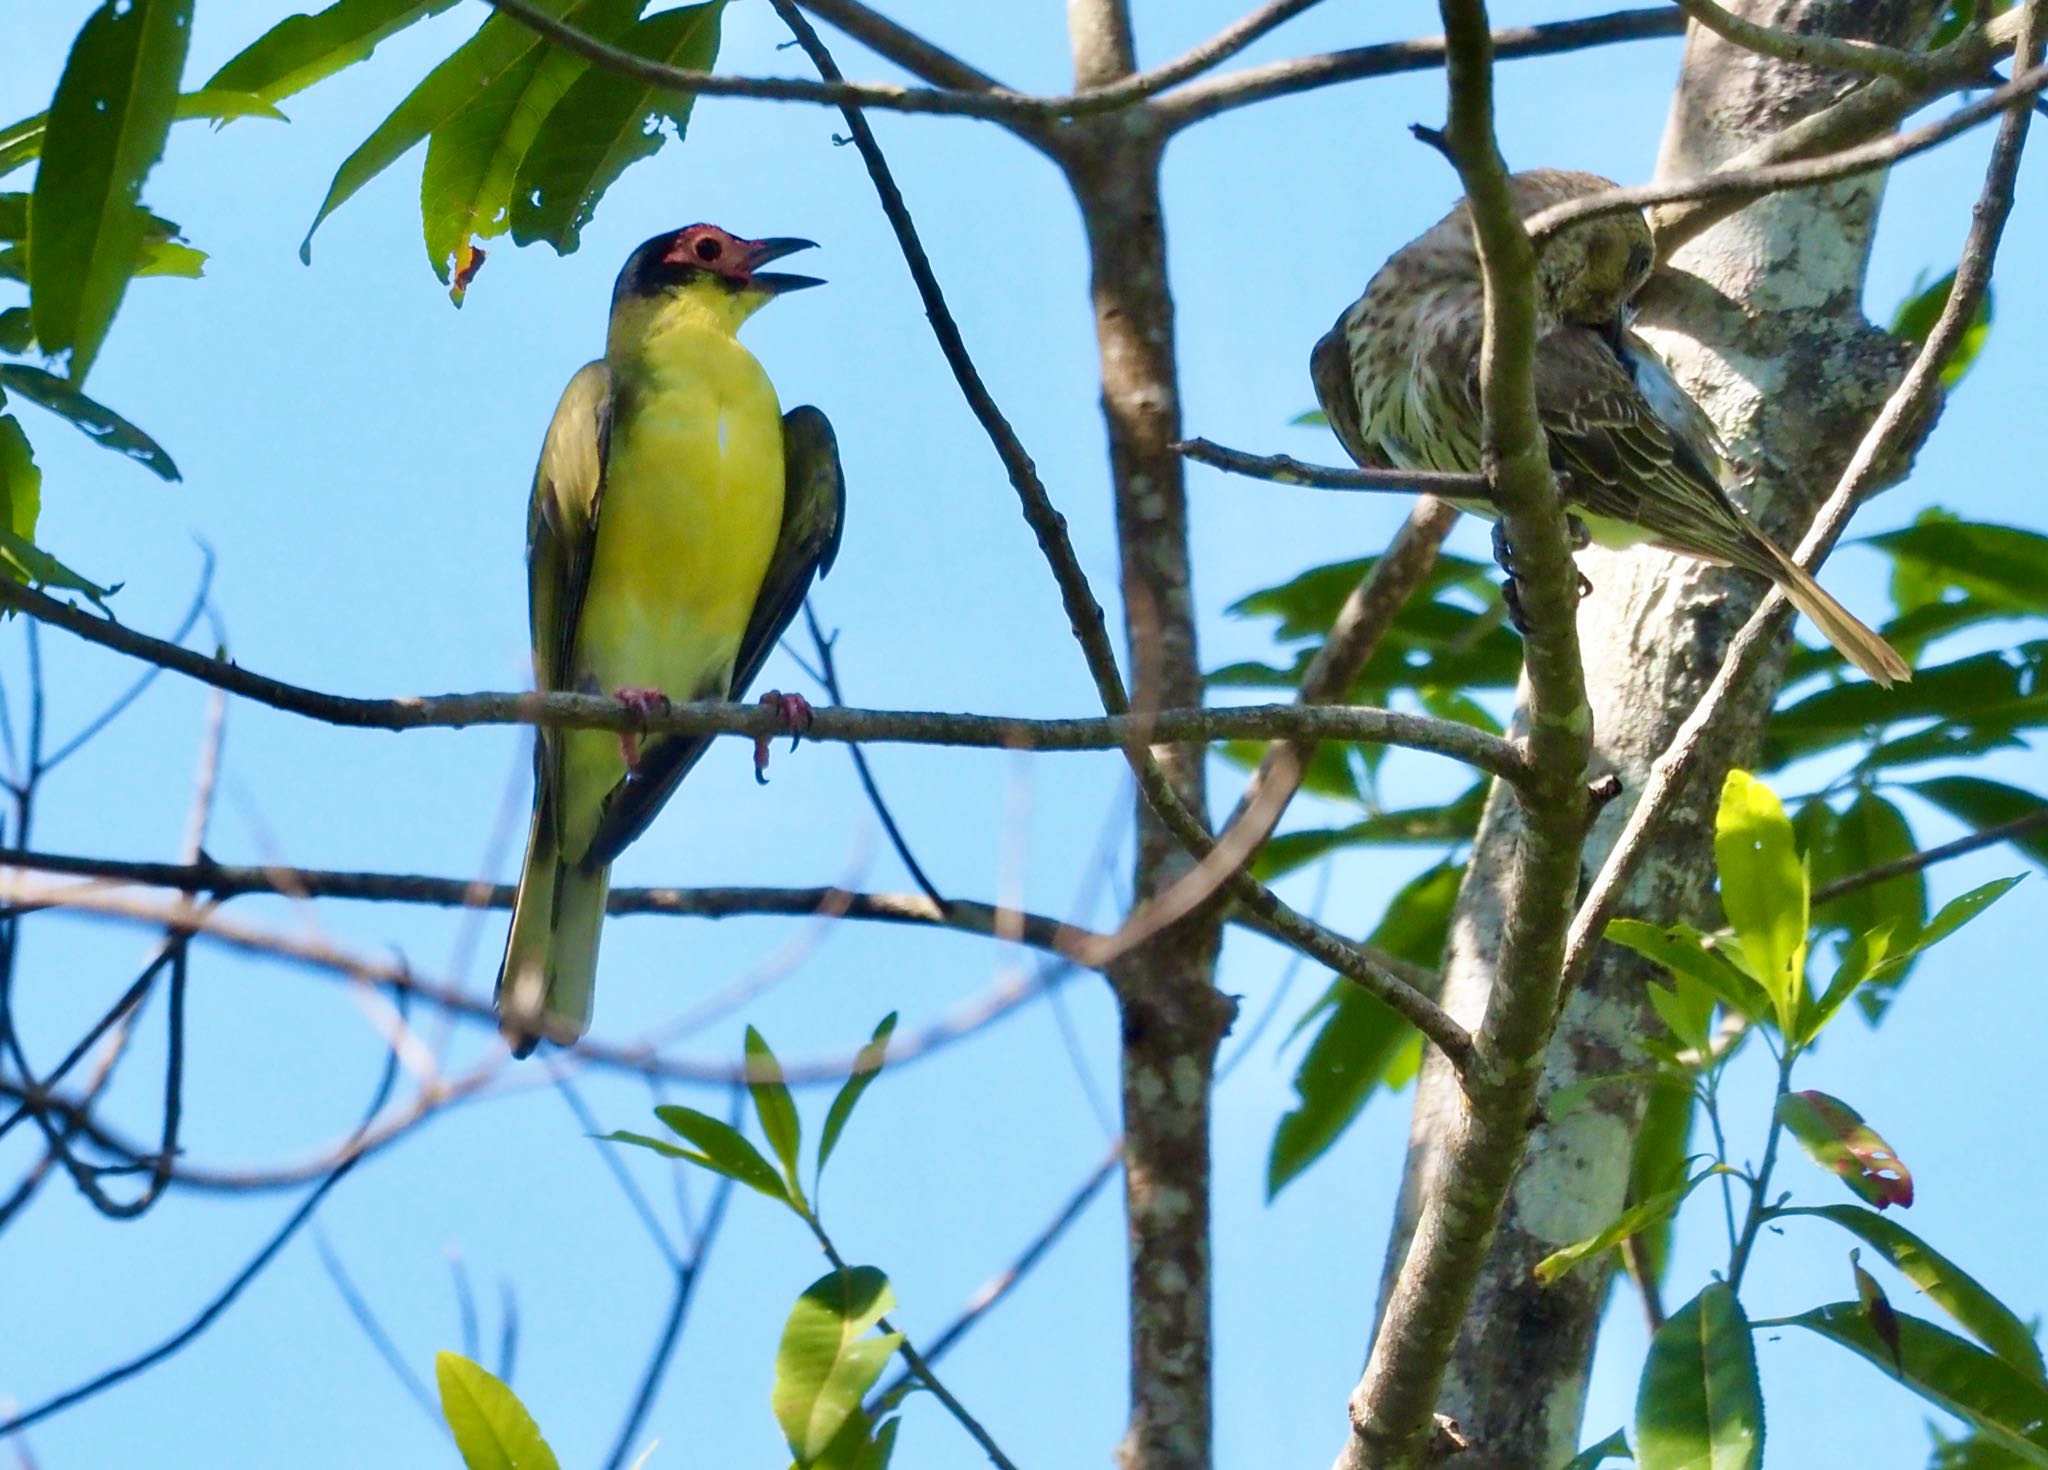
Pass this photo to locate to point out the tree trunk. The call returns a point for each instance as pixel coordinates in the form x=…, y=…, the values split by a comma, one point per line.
x=1761, y=319
x=1172, y=1015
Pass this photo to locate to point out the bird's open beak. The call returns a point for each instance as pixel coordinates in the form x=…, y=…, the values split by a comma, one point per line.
x=761, y=252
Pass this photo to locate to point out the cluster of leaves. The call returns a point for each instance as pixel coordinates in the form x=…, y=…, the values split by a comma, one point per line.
x=1452, y=653
x=831, y=1353
x=1699, y=1401
x=520, y=135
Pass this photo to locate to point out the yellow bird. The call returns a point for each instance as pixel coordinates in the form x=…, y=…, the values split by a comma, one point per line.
x=678, y=519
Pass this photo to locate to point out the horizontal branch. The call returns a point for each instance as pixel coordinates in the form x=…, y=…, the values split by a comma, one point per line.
x=1914, y=862
x=1477, y=747
x=1827, y=53
x=1206, y=99
x=1771, y=178
x=1285, y=469
x=222, y=881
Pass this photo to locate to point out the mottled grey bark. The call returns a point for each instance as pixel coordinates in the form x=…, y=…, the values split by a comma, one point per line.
x=1173, y=1017
x=1761, y=317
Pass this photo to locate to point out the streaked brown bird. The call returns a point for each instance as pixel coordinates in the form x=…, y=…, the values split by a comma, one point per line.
x=1639, y=460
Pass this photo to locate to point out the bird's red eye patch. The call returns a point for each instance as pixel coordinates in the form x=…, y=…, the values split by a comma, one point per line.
x=707, y=247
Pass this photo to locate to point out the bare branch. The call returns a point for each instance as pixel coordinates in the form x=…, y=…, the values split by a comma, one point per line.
x=1393, y=1407
x=1914, y=862
x=1828, y=53
x=912, y=52
x=1905, y=408
x=1202, y=100
x=595, y=712
x=1741, y=182
x=1284, y=469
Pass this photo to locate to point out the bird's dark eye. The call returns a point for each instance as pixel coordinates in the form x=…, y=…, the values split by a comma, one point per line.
x=1638, y=261
x=707, y=249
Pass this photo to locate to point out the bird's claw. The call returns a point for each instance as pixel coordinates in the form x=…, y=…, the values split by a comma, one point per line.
x=645, y=703
x=796, y=719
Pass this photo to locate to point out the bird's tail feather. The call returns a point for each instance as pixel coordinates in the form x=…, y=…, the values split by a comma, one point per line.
x=548, y=977
x=1855, y=641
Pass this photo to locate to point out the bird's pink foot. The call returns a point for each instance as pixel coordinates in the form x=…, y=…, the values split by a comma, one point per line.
x=644, y=703
x=796, y=719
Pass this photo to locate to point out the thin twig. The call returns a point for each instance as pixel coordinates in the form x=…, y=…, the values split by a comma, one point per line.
x=914, y=53
x=373, y=1329
x=1826, y=53
x=1914, y=862
x=1285, y=469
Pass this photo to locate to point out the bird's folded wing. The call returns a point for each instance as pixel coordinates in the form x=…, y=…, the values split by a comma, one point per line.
x=1625, y=461
x=1329, y=368
x=813, y=512
x=561, y=534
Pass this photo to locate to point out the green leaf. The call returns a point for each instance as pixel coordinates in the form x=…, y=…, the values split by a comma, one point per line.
x=2000, y=1401
x=1916, y=317
x=827, y=1362
x=108, y=121
x=1983, y=804
x=2007, y=565
x=105, y=427
x=604, y=123
x=22, y=142
x=866, y=1064
x=491, y=1427
x=772, y=1104
x=1994, y=692
x=303, y=49
x=1684, y=950
x=1947, y=1285
x=31, y=564
x=1835, y=1137
x=1658, y=1163
x=1861, y=958
x=21, y=480
x=474, y=157
x=13, y=216
x=1313, y=418
x=1763, y=890
x=1360, y=1039
x=171, y=258
x=1635, y=1218
x=1331, y=771
x=499, y=46
x=1870, y=833
x=1699, y=1406
x=16, y=333
x=1614, y=1447
x=722, y=1149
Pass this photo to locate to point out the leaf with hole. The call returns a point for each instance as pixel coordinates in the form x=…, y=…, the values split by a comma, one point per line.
x=1835, y=1137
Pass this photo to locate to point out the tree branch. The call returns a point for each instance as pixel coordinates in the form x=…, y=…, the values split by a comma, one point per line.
x=595, y=712
x=1285, y=469
x=1914, y=862
x=1203, y=100
x=912, y=52
x=1828, y=53
x=1393, y=1407
x=1742, y=182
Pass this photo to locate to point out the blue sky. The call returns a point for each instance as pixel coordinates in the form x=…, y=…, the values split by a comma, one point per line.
x=356, y=453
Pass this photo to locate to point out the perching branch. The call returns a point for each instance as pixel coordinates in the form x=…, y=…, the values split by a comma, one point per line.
x=1832, y=53
x=1393, y=1409
x=1285, y=469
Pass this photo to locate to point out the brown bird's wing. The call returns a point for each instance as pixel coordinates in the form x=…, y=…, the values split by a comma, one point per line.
x=1657, y=471
x=1329, y=368
x=813, y=513
x=1628, y=464
x=561, y=534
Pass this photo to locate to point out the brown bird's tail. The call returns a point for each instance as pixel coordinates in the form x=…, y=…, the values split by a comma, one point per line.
x=1852, y=638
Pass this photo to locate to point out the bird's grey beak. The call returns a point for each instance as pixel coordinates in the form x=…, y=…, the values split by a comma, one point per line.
x=761, y=252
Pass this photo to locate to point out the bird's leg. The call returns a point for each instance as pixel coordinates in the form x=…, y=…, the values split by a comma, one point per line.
x=796, y=719
x=644, y=703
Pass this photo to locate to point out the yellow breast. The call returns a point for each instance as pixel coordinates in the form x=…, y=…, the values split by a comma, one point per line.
x=691, y=508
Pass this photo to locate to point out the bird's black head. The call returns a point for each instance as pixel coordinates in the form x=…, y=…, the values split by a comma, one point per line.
x=706, y=259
